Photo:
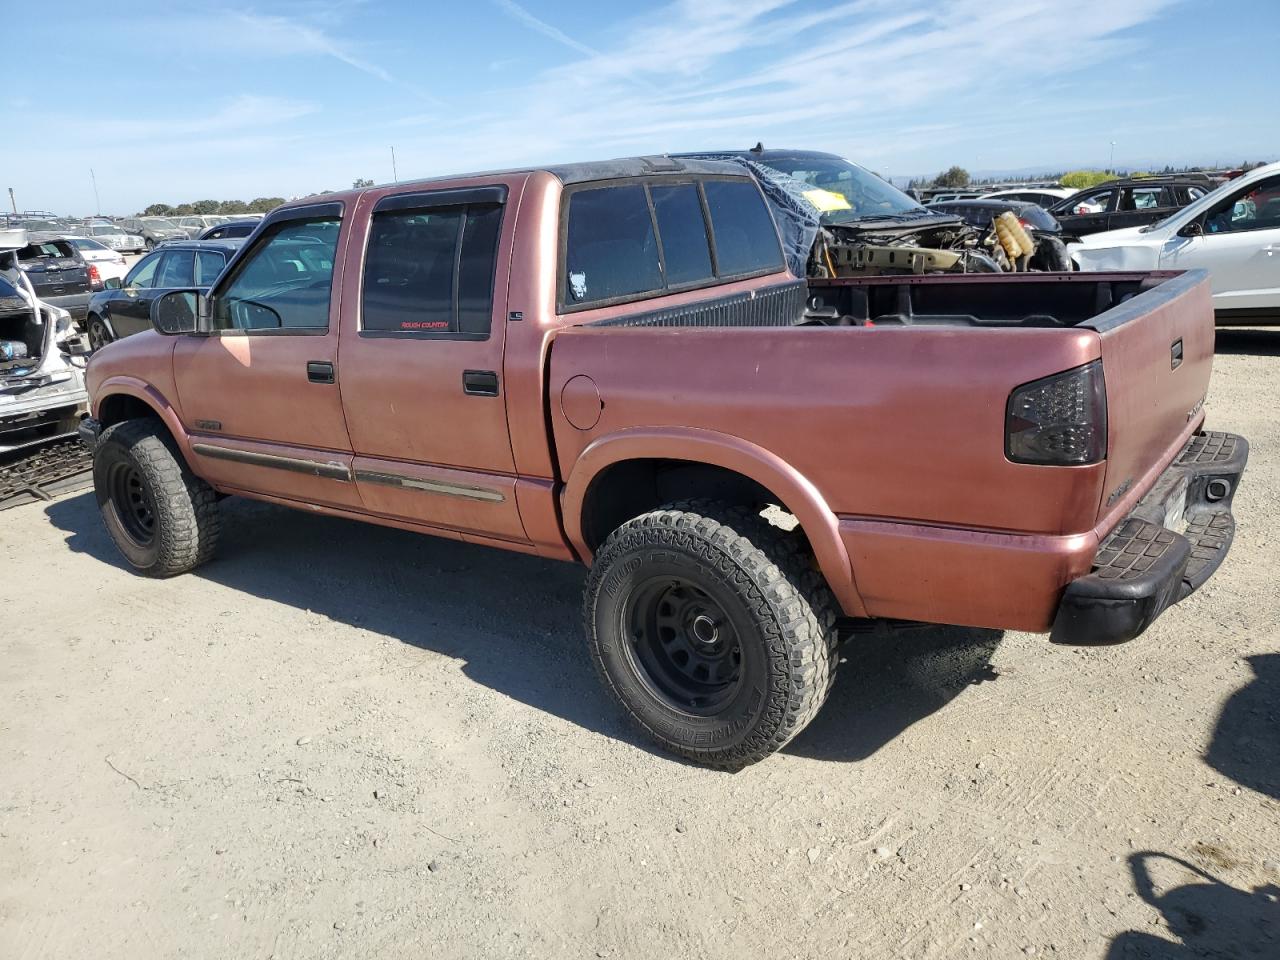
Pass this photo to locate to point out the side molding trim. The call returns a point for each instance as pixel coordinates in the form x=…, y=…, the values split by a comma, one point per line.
x=329, y=469
x=429, y=486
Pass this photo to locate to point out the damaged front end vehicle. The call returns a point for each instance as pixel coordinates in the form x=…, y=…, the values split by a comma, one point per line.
x=42, y=359
x=838, y=219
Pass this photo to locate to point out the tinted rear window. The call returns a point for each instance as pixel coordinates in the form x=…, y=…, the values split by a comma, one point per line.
x=746, y=239
x=611, y=248
x=684, y=233
x=431, y=271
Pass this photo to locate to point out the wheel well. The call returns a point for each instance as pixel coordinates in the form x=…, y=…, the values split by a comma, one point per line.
x=120, y=407
x=628, y=489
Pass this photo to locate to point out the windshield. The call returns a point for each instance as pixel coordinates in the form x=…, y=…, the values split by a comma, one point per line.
x=844, y=192
x=84, y=243
x=159, y=223
x=99, y=229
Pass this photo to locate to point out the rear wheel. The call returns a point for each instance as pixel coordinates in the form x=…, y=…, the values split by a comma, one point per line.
x=162, y=517
x=99, y=335
x=713, y=630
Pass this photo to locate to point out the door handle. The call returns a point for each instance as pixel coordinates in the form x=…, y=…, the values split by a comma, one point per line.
x=480, y=383
x=320, y=371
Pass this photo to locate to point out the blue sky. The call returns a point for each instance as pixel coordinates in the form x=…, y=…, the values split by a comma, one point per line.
x=174, y=101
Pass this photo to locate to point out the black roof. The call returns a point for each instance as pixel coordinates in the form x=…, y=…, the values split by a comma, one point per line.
x=762, y=155
x=638, y=167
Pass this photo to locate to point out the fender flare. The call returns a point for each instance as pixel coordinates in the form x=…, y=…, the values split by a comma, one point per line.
x=796, y=493
x=141, y=390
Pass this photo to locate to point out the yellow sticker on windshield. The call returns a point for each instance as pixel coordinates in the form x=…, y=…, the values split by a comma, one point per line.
x=826, y=201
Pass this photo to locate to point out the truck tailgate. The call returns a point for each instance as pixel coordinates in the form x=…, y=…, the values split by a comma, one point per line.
x=1157, y=354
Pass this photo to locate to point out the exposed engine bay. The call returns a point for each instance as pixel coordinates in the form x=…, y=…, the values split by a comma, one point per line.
x=1004, y=247
x=840, y=220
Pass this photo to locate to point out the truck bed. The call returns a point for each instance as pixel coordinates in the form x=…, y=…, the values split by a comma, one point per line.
x=892, y=405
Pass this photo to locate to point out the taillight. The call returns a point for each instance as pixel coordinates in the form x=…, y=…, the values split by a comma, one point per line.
x=1060, y=419
x=95, y=278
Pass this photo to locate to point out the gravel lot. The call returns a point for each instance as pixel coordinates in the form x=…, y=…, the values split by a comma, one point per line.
x=345, y=741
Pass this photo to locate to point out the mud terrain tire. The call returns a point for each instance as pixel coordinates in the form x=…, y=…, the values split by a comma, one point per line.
x=673, y=592
x=162, y=517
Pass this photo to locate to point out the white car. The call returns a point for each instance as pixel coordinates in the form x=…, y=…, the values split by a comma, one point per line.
x=1233, y=232
x=108, y=262
x=113, y=237
x=1043, y=196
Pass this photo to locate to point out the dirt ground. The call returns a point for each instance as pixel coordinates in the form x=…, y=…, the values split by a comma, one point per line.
x=344, y=741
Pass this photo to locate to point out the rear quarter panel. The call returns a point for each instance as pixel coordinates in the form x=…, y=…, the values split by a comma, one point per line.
x=888, y=423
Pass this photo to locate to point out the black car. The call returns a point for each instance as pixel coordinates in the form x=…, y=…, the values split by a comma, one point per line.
x=124, y=308
x=58, y=273
x=1130, y=202
x=980, y=213
x=236, y=229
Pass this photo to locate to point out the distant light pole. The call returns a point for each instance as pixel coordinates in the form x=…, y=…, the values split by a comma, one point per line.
x=394, y=176
x=1112, y=168
x=97, y=203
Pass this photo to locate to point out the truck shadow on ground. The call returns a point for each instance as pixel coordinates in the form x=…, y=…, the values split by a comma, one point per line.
x=1207, y=916
x=515, y=620
x=1246, y=741
x=1258, y=343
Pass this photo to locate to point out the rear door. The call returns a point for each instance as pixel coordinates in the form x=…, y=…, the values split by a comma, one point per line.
x=424, y=324
x=1142, y=204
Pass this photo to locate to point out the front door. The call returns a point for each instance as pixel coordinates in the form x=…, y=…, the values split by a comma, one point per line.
x=423, y=329
x=259, y=393
x=129, y=308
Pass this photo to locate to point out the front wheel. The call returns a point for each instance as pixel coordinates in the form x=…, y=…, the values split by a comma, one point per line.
x=713, y=631
x=163, y=518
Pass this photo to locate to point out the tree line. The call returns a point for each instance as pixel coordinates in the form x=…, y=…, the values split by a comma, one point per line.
x=203, y=207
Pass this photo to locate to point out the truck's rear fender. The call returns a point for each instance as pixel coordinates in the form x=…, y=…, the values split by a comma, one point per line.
x=603, y=462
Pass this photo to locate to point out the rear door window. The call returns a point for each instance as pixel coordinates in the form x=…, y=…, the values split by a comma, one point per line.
x=431, y=271
x=208, y=265
x=745, y=236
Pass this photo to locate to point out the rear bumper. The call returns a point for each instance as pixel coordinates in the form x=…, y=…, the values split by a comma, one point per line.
x=1146, y=565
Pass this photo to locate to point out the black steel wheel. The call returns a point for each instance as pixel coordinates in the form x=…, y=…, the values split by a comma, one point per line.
x=713, y=629
x=133, y=503
x=684, y=644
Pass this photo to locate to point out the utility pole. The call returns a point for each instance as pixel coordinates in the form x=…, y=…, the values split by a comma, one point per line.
x=97, y=203
x=12, y=202
x=394, y=176
x=1112, y=168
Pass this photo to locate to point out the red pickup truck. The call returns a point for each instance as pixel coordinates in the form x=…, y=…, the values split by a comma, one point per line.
x=610, y=363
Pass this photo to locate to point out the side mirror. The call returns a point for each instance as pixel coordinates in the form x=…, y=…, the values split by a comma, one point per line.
x=111, y=283
x=177, y=312
x=1193, y=229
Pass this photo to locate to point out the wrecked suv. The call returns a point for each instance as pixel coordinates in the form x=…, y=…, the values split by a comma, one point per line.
x=611, y=363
